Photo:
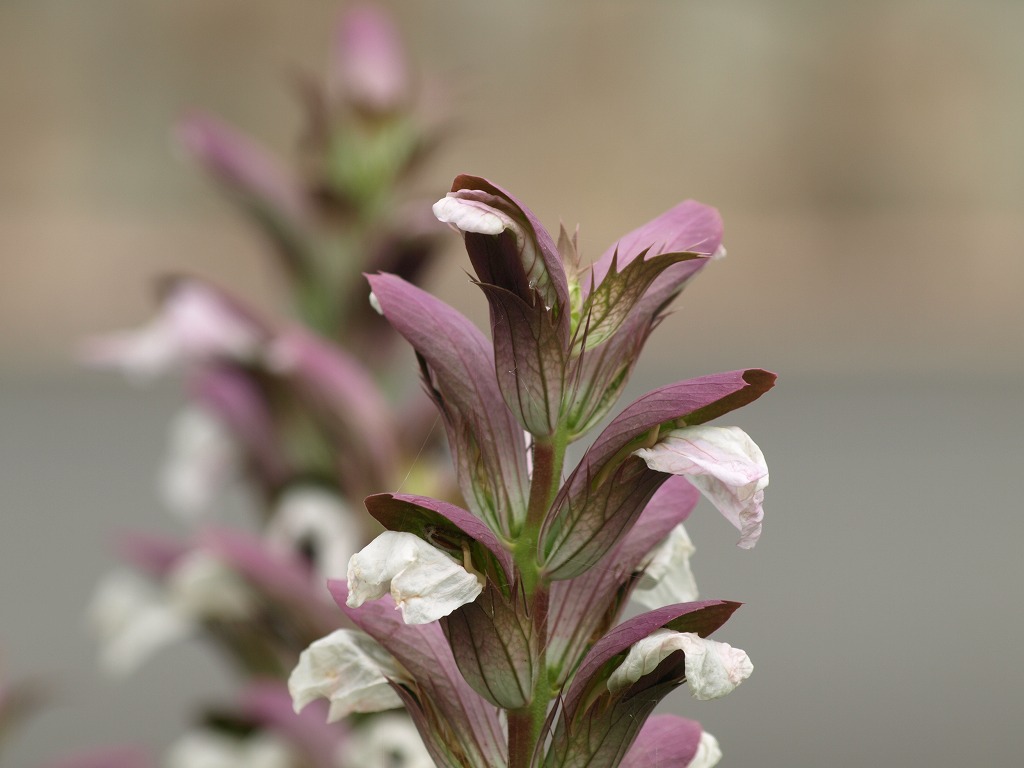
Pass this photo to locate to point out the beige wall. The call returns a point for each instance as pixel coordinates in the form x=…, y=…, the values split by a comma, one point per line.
x=867, y=157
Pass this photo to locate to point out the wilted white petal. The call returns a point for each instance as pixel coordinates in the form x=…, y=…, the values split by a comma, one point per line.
x=708, y=752
x=202, y=458
x=194, y=324
x=350, y=670
x=387, y=740
x=131, y=620
x=425, y=582
x=713, y=669
x=315, y=522
x=667, y=578
x=724, y=464
x=206, y=749
x=202, y=586
x=470, y=215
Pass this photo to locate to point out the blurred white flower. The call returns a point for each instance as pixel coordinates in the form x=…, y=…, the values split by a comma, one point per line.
x=201, y=586
x=387, y=740
x=713, y=669
x=195, y=324
x=349, y=669
x=667, y=577
x=206, y=749
x=708, y=752
x=202, y=459
x=131, y=620
x=425, y=582
x=724, y=464
x=316, y=523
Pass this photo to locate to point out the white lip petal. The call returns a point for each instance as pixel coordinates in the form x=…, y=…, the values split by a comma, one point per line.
x=709, y=754
x=202, y=459
x=724, y=464
x=393, y=735
x=667, y=578
x=194, y=324
x=350, y=670
x=314, y=516
x=206, y=749
x=469, y=216
x=201, y=587
x=375, y=303
x=131, y=620
x=425, y=582
x=713, y=669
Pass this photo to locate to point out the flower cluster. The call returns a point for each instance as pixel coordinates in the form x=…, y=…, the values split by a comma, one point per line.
x=496, y=620
x=486, y=598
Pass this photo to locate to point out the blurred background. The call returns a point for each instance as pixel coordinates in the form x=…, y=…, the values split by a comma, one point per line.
x=869, y=164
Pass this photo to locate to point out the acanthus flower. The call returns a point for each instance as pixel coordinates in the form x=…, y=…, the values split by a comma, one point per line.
x=209, y=749
x=425, y=582
x=667, y=577
x=713, y=669
x=202, y=459
x=724, y=464
x=390, y=737
x=196, y=324
x=316, y=523
x=350, y=670
x=132, y=619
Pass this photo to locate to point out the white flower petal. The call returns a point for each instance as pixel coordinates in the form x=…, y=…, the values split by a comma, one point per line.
x=206, y=326
x=389, y=739
x=202, y=458
x=708, y=752
x=667, y=578
x=425, y=582
x=470, y=215
x=202, y=586
x=131, y=620
x=206, y=749
x=194, y=324
x=724, y=464
x=375, y=303
x=312, y=518
x=713, y=669
x=349, y=669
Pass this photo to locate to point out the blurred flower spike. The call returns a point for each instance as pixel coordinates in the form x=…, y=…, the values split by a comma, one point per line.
x=367, y=132
x=296, y=421
x=528, y=581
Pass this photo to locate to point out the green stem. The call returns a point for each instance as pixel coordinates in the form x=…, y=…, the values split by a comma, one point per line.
x=524, y=724
x=520, y=738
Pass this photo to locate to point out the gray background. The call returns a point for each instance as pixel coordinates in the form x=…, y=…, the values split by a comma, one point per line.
x=867, y=160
